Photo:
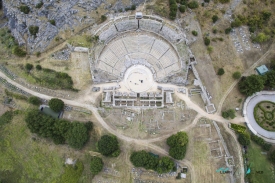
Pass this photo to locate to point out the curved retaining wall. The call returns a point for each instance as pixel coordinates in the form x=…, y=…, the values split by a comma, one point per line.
x=248, y=112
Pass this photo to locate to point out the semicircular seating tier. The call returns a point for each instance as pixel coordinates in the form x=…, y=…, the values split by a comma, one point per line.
x=139, y=49
x=124, y=24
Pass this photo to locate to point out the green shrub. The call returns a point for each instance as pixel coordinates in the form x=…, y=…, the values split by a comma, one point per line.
x=39, y=5
x=209, y=49
x=52, y=22
x=38, y=54
x=28, y=67
x=56, y=104
x=230, y=113
x=206, y=41
x=96, y=165
x=195, y=33
x=220, y=71
x=103, y=18
x=193, y=5
x=244, y=139
x=25, y=9
x=228, y=30
x=33, y=30
x=238, y=128
x=38, y=67
x=108, y=146
x=236, y=75
x=18, y=51
x=215, y=31
x=182, y=8
x=34, y=100
x=215, y=18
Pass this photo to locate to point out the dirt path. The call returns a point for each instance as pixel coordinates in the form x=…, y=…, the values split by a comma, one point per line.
x=219, y=108
x=147, y=142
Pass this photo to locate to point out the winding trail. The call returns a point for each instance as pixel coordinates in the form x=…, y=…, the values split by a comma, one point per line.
x=219, y=108
x=144, y=142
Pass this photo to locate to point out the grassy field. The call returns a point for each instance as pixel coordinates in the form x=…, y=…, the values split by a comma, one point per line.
x=259, y=162
x=24, y=159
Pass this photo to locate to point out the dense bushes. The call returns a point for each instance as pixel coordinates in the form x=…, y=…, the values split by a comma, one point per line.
x=238, y=128
x=173, y=9
x=96, y=165
x=272, y=157
x=244, y=139
x=182, y=8
x=39, y=5
x=230, y=113
x=52, y=22
x=56, y=104
x=33, y=30
x=151, y=161
x=25, y=9
x=251, y=84
x=215, y=18
x=178, y=144
x=60, y=131
x=28, y=67
x=34, y=100
x=270, y=81
x=261, y=142
x=19, y=51
x=193, y=5
x=108, y=146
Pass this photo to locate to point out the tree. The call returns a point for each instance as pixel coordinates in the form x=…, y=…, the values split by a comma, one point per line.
x=56, y=104
x=177, y=143
x=206, y=41
x=96, y=165
x=108, y=146
x=29, y=66
x=193, y=5
x=244, y=139
x=103, y=18
x=165, y=165
x=230, y=113
x=52, y=22
x=220, y=71
x=195, y=33
x=144, y=159
x=215, y=18
x=251, y=84
x=270, y=81
x=236, y=75
x=77, y=135
x=182, y=8
x=34, y=100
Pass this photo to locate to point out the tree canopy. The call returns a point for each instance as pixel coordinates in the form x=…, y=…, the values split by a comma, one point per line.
x=270, y=81
x=178, y=143
x=272, y=157
x=251, y=84
x=96, y=165
x=244, y=139
x=108, y=146
x=34, y=100
x=150, y=161
x=230, y=113
x=75, y=133
x=220, y=71
x=56, y=104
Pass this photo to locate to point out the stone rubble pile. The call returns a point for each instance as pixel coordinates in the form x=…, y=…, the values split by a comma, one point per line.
x=62, y=55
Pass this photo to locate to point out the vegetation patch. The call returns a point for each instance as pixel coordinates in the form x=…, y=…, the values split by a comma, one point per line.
x=238, y=128
x=151, y=161
x=72, y=173
x=6, y=118
x=178, y=144
x=75, y=134
x=108, y=146
x=264, y=115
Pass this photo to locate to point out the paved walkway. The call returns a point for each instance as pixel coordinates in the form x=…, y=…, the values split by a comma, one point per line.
x=249, y=105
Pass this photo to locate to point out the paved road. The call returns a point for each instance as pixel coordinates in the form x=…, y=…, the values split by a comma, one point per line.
x=249, y=112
